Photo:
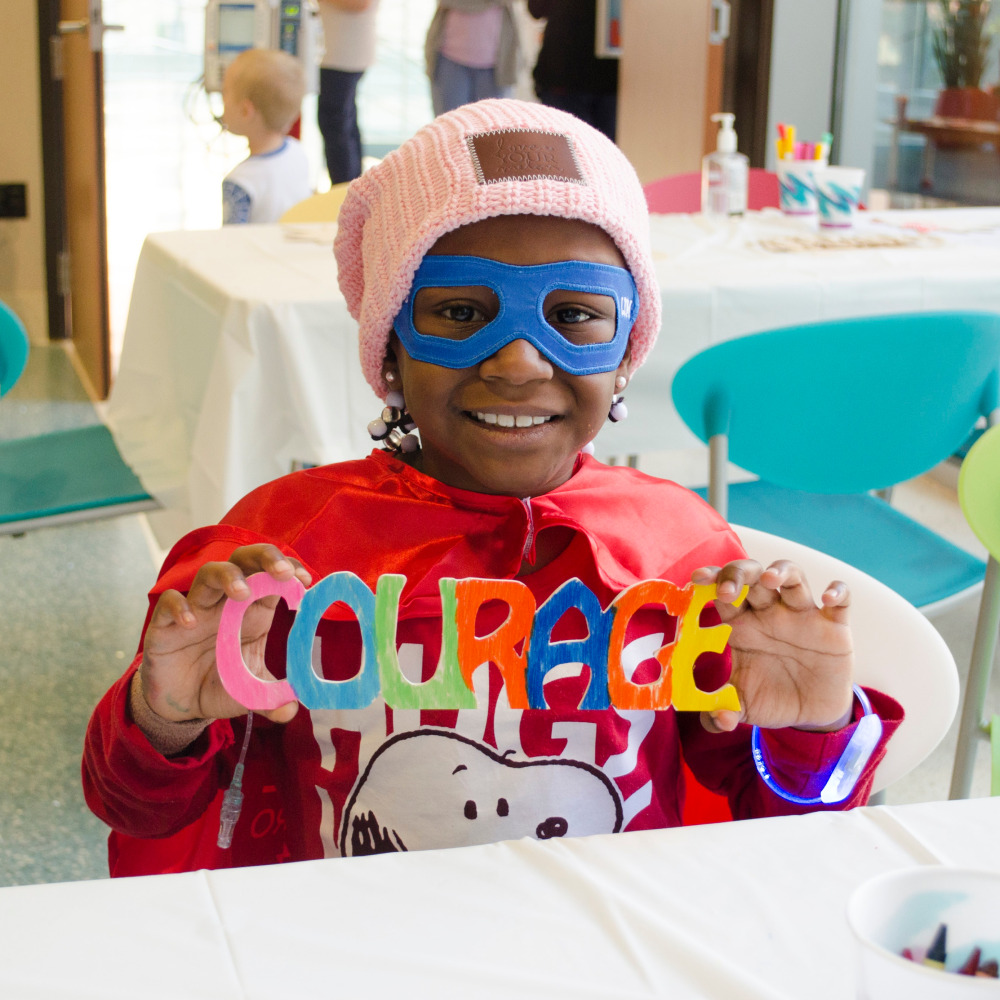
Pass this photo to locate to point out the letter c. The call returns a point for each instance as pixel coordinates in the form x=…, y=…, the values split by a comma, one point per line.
x=250, y=691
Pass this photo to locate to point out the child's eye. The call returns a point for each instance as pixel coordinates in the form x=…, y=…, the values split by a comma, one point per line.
x=582, y=318
x=462, y=314
x=570, y=314
x=455, y=313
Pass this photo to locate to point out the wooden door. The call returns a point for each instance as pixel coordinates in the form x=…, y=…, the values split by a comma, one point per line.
x=73, y=154
x=669, y=84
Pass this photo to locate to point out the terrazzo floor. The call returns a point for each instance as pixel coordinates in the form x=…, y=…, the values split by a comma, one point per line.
x=74, y=598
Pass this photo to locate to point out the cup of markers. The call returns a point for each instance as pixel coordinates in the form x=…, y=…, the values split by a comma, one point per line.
x=838, y=193
x=797, y=166
x=927, y=934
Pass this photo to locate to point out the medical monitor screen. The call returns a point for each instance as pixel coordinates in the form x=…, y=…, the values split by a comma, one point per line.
x=236, y=26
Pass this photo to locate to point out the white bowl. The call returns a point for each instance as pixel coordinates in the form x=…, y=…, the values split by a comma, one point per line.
x=903, y=909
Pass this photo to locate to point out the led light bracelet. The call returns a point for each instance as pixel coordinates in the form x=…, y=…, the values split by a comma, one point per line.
x=846, y=771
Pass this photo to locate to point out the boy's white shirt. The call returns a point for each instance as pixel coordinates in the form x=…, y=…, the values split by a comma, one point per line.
x=263, y=187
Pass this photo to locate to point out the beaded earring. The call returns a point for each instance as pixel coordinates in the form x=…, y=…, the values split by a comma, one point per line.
x=618, y=411
x=394, y=427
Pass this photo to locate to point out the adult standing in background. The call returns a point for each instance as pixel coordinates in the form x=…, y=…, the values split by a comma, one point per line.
x=349, y=34
x=473, y=51
x=568, y=74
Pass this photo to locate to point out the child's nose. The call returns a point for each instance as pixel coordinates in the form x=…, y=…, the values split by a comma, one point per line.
x=519, y=361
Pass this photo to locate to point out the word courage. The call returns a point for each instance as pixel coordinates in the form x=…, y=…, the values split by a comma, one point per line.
x=521, y=647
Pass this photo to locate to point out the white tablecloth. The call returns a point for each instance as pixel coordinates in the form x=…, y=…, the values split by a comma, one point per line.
x=740, y=910
x=240, y=358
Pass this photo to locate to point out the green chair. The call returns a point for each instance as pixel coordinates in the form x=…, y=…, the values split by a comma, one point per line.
x=828, y=414
x=62, y=476
x=979, y=495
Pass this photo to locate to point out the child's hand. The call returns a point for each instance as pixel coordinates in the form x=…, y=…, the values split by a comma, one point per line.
x=792, y=661
x=179, y=679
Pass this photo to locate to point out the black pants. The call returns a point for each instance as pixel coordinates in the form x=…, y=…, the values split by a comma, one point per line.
x=599, y=110
x=337, y=117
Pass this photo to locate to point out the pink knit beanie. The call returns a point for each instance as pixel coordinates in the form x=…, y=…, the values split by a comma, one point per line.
x=495, y=157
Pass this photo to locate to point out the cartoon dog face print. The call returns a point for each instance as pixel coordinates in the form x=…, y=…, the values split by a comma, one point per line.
x=434, y=788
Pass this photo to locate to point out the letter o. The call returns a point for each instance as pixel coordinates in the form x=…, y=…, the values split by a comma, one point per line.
x=317, y=692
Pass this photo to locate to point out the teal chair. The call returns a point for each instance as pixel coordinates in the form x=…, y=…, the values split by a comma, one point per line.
x=828, y=414
x=61, y=476
x=979, y=495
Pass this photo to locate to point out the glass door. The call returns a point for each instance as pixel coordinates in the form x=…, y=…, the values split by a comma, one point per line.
x=166, y=154
x=912, y=76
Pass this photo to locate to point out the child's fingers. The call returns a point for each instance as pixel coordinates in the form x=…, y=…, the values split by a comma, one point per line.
x=283, y=713
x=836, y=600
x=721, y=721
x=267, y=558
x=729, y=579
x=172, y=608
x=216, y=580
x=782, y=580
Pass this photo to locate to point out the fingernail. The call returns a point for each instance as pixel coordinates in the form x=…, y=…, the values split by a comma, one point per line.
x=282, y=566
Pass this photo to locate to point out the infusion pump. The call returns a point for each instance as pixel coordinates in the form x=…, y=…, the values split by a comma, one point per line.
x=232, y=26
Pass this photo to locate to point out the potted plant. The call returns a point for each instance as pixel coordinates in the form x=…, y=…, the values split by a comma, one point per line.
x=961, y=41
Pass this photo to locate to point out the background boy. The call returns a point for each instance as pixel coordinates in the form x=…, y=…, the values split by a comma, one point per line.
x=262, y=93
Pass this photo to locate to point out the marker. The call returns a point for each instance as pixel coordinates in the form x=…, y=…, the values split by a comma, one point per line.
x=971, y=964
x=937, y=953
x=989, y=970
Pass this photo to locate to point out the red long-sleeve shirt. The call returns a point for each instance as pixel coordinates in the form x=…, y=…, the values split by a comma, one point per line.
x=337, y=782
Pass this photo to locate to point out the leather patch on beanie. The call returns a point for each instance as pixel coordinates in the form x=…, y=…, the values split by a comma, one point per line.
x=524, y=155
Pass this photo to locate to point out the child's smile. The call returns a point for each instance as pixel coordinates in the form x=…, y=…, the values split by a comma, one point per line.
x=510, y=420
x=515, y=423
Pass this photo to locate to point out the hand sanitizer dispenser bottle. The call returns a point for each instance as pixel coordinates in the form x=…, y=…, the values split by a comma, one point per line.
x=724, y=173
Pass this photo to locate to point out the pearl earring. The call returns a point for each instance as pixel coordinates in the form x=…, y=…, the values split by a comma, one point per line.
x=618, y=411
x=620, y=382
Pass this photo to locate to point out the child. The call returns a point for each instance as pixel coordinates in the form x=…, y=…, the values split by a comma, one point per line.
x=262, y=92
x=497, y=202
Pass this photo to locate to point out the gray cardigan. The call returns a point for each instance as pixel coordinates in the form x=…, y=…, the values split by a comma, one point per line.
x=509, y=54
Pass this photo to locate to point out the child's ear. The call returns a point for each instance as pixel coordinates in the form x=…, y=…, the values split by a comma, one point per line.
x=624, y=367
x=390, y=367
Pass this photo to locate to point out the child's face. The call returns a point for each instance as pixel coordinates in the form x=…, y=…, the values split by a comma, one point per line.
x=459, y=411
x=234, y=105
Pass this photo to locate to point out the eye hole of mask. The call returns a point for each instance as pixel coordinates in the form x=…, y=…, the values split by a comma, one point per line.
x=457, y=313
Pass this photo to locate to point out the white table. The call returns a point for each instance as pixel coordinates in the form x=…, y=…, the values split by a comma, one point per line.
x=240, y=358
x=747, y=910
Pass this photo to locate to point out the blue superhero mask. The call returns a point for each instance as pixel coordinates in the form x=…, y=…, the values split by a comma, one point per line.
x=521, y=292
